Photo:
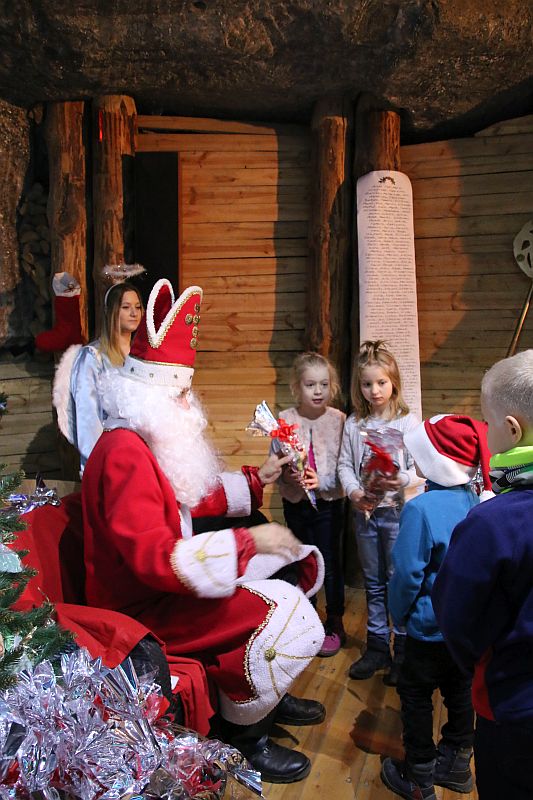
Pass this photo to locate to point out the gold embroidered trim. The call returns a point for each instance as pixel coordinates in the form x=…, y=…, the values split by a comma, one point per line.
x=157, y=340
x=271, y=654
x=175, y=567
x=247, y=674
x=285, y=655
x=201, y=555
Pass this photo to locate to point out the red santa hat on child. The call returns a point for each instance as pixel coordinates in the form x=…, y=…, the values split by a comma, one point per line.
x=448, y=449
x=164, y=348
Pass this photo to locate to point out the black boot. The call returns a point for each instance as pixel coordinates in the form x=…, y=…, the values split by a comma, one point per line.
x=391, y=678
x=376, y=657
x=452, y=769
x=277, y=764
x=412, y=781
x=298, y=711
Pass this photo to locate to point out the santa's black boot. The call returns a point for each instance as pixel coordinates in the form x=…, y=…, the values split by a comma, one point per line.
x=299, y=711
x=277, y=764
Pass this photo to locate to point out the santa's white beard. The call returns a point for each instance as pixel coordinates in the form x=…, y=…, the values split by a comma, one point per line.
x=174, y=435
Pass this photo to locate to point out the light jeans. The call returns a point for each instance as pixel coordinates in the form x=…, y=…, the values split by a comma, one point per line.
x=375, y=538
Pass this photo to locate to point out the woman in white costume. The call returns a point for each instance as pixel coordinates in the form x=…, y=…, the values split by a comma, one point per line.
x=76, y=396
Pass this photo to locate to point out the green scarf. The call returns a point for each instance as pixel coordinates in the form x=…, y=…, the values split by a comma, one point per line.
x=512, y=470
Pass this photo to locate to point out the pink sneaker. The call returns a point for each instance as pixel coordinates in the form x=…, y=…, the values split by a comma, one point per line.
x=330, y=646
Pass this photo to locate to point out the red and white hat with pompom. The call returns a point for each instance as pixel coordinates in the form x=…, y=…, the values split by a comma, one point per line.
x=448, y=449
x=164, y=348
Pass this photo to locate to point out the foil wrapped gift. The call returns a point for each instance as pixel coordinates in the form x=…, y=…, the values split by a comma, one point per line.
x=284, y=441
x=18, y=503
x=379, y=462
x=94, y=733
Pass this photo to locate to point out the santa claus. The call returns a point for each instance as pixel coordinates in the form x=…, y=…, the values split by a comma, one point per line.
x=210, y=595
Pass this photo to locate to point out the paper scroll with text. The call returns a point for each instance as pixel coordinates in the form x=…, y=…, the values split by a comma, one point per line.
x=387, y=274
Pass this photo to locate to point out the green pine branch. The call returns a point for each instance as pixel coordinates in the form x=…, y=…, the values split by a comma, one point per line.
x=36, y=635
x=8, y=667
x=48, y=641
x=9, y=482
x=12, y=585
x=22, y=622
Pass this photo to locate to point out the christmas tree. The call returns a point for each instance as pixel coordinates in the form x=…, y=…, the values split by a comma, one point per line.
x=25, y=636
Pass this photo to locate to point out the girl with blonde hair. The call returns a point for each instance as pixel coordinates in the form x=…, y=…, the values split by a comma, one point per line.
x=314, y=384
x=378, y=404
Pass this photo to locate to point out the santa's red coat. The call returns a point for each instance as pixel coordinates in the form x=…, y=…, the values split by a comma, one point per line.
x=253, y=639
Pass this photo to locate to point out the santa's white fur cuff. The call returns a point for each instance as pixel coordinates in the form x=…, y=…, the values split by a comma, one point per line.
x=237, y=491
x=207, y=563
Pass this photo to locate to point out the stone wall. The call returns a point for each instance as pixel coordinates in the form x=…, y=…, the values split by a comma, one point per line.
x=437, y=60
x=15, y=289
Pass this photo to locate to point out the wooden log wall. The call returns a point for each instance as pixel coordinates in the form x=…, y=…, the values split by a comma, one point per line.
x=243, y=238
x=113, y=140
x=329, y=274
x=28, y=433
x=244, y=203
x=67, y=215
x=471, y=197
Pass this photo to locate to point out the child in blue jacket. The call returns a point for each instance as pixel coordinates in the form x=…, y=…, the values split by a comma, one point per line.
x=447, y=450
x=483, y=595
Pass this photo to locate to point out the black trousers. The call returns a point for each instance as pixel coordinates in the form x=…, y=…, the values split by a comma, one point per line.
x=503, y=754
x=429, y=666
x=322, y=528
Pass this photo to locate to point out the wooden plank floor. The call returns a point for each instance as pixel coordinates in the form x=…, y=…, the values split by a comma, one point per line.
x=362, y=726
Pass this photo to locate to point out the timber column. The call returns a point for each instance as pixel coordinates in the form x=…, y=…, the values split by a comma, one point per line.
x=113, y=137
x=328, y=279
x=377, y=146
x=67, y=216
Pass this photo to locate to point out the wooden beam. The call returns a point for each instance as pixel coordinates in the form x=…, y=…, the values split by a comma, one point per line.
x=377, y=146
x=498, y=146
x=202, y=124
x=330, y=234
x=510, y=126
x=67, y=216
x=183, y=142
x=113, y=139
x=67, y=220
x=277, y=175
x=377, y=137
x=491, y=166
x=244, y=159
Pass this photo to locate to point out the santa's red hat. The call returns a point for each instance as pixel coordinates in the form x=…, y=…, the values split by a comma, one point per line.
x=164, y=348
x=449, y=448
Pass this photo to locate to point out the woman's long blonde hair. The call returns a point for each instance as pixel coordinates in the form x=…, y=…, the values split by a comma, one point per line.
x=310, y=359
x=110, y=335
x=377, y=353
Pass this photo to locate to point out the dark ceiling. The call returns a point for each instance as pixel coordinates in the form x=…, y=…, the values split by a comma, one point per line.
x=449, y=66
